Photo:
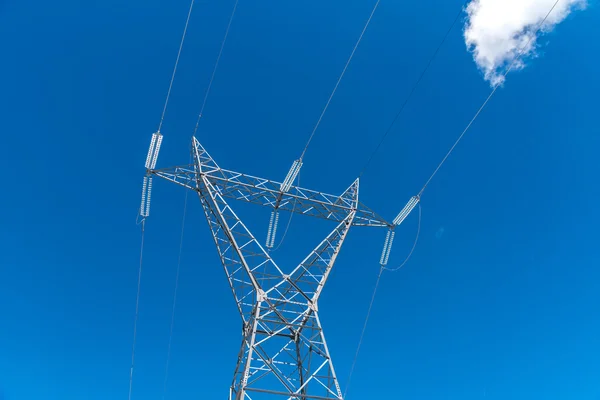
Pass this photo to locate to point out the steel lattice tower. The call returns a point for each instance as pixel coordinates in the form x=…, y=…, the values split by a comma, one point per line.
x=283, y=353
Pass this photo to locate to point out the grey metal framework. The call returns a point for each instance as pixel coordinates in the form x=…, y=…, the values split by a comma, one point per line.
x=283, y=352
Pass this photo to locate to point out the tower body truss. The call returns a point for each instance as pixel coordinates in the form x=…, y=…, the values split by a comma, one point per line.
x=283, y=353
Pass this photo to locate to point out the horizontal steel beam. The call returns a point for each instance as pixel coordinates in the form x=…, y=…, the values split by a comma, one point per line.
x=266, y=192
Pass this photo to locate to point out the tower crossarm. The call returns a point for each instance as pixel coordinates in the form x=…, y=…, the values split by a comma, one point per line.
x=268, y=193
x=265, y=192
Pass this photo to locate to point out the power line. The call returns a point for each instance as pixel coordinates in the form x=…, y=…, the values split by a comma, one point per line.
x=413, y=89
x=339, y=80
x=175, y=295
x=314, y=131
x=374, y=295
x=364, y=330
x=207, y=93
x=137, y=308
x=487, y=100
x=212, y=78
x=176, y=64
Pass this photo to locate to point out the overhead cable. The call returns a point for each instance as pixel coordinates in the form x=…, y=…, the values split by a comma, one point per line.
x=167, y=365
x=162, y=117
x=214, y=72
x=362, y=335
x=412, y=90
x=137, y=308
x=383, y=262
x=339, y=80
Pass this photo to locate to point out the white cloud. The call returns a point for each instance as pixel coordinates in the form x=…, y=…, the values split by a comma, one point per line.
x=496, y=31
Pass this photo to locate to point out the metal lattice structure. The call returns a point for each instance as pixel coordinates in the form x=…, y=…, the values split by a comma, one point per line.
x=283, y=352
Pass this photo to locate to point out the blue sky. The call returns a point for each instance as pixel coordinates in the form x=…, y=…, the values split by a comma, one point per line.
x=500, y=300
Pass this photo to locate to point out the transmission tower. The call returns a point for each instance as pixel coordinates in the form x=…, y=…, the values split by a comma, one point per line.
x=283, y=351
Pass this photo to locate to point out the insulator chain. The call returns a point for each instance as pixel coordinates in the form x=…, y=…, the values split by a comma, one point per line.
x=152, y=156
x=149, y=196
x=149, y=156
x=272, y=232
x=274, y=235
x=389, y=239
x=143, y=205
x=412, y=203
x=284, y=188
x=271, y=221
x=146, y=196
x=386, y=248
x=151, y=160
x=291, y=176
